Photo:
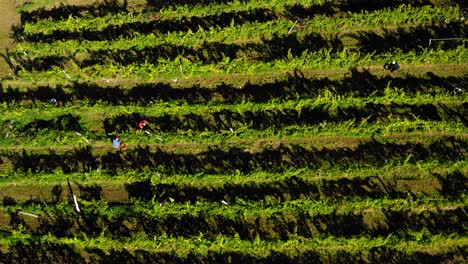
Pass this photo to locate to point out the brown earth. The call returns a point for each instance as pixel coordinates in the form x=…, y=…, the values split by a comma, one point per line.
x=8, y=18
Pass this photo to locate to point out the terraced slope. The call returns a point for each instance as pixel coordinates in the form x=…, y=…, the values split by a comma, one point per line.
x=275, y=134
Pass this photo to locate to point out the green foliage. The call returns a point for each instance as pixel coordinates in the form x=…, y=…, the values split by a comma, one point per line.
x=402, y=205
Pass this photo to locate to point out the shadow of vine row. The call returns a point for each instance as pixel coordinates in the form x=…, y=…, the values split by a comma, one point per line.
x=280, y=225
x=332, y=7
x=358, y=83
x=66, y=122
x=62, y=11
x=283, y=226
x=218, y=160
x=406, y=39
x=287, y=189
x=35, y=251
x=224, y=120
x=80, y=159
x=453, y=185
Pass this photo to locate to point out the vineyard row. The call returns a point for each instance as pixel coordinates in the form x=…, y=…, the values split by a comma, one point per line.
x=215, y=158
x=418, y=247
x=270, y=46
x=182, y=67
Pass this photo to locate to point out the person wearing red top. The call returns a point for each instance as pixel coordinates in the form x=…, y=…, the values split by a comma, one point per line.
x=142, y=123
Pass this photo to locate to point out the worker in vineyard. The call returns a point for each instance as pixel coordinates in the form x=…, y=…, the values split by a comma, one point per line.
x=142, y=125
x=116, y=143
x=392, y=66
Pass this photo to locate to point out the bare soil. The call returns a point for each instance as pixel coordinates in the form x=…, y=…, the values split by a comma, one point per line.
x=8, y=18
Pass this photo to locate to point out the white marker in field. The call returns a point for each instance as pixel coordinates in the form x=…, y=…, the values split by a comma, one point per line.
x=28, y=214
x=66, y=74
x=290, y=30
x=77, y=208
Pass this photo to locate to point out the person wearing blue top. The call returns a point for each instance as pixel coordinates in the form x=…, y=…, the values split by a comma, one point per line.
x=116, y=142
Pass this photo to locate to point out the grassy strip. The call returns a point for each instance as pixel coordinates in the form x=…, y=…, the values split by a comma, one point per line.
x=38, y=5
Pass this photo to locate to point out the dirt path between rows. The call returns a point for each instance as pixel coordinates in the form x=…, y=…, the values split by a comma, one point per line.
x=8, y=17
